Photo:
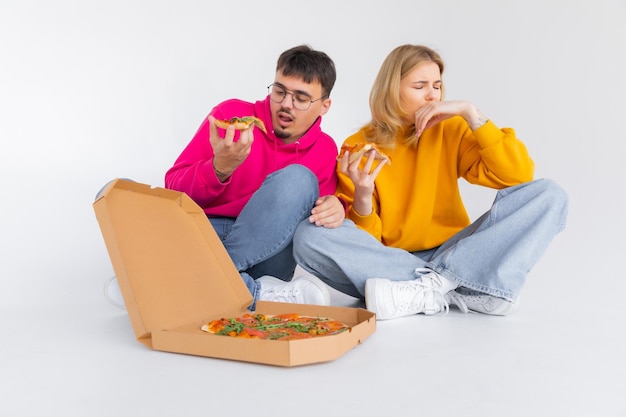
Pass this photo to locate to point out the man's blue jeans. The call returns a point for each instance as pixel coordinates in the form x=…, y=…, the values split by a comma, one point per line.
x=259, y=240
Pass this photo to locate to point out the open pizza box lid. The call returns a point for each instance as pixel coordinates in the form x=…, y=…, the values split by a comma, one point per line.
x=175, y=275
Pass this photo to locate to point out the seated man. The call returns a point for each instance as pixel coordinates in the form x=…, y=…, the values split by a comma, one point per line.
x=257, y=184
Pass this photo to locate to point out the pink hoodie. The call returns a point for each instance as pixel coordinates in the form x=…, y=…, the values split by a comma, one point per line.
x=193, y=172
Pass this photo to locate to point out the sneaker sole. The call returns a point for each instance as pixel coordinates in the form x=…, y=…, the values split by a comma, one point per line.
x=504, y=309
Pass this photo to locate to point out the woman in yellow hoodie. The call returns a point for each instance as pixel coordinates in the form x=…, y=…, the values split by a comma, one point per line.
x=407, y=245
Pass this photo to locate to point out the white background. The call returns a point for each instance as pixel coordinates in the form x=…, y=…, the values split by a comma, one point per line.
x=95, y=90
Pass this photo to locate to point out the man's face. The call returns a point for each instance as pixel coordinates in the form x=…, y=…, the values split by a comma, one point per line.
x=288, y=121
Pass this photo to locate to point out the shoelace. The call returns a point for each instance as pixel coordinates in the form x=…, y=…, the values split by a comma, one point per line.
x=285, y=294
x=430, y=298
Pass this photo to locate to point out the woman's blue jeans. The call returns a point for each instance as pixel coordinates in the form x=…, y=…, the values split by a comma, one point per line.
x=492, y=256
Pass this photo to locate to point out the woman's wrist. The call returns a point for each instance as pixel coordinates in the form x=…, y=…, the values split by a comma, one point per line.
x=362, y=206
x=476, y=119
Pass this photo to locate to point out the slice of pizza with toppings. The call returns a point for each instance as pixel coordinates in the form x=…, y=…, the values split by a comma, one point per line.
x=360, y=150
x=241, y=123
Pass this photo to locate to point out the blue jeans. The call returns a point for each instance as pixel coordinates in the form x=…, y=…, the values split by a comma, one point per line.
x=493, y=255
x=259, y=241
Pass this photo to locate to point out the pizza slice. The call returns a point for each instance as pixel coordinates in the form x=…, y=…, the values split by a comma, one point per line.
x=241, y=123
x=360, y=150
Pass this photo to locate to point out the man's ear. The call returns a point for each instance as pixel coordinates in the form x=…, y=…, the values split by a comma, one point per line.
x=325, y=106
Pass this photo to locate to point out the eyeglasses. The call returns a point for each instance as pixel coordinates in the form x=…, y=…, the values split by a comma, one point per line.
x=301, y=101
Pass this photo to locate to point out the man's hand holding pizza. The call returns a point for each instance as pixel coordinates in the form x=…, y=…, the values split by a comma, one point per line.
x=228, y=154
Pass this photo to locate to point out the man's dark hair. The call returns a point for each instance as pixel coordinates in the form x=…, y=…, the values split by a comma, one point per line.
x=311, y=65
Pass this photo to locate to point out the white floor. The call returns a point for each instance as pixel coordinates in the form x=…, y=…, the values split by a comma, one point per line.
x=560, y=354
x=94, y=90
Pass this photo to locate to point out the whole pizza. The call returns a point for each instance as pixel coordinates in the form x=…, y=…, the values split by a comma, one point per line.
x=275, y=327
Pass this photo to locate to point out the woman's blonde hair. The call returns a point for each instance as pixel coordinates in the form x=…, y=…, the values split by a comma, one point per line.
x=385, y=104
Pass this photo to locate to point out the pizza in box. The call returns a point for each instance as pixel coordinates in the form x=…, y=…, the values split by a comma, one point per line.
x=289, y=326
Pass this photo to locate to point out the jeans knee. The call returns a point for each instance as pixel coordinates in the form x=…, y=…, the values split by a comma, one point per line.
x=299, y=174
x=555, y=198
x=553, y=192
x=99, y=193
x=295, y=182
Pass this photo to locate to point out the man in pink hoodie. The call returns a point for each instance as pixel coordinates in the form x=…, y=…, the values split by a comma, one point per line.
x=256, y=187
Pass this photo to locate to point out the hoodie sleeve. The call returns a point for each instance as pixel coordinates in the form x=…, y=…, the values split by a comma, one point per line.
x=193, y=172
x=494, y=157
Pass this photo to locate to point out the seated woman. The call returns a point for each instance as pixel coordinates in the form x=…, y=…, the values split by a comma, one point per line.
x=407, y=245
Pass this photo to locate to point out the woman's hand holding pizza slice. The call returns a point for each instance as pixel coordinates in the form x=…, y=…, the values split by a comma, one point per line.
x=362, y=176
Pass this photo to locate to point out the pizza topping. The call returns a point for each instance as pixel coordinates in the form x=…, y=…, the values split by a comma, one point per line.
x=361, y=149
x=241, y=123
x=278, y=327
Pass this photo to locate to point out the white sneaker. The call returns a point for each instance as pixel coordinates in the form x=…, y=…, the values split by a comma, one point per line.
x=113, y=293
x=393, y=299
x=303, y=290
x=481, y=303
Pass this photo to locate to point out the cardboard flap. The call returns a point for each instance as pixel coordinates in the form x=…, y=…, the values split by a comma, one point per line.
x=170, y=264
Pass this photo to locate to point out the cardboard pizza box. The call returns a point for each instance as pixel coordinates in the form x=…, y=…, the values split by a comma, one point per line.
x=175, y=275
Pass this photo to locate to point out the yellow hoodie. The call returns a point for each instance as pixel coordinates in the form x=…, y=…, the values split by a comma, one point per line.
x=416, y=202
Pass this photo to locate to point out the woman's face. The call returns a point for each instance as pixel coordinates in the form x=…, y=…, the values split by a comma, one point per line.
x=418, y=87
